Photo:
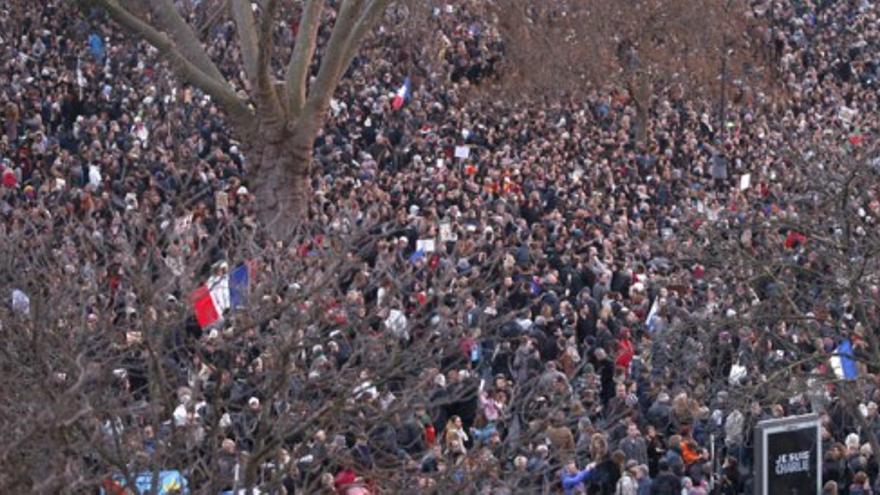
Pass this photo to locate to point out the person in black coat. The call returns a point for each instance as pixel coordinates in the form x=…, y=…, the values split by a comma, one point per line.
x=605, y=369
x=731, y=480
x=411, y=435
x=665, y=483
x=438, y=400
x=609, y=472
x=586, y=323
x=465, y=395
x=502, y=359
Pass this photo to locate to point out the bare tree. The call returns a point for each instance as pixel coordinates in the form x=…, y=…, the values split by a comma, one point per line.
x=109, y=380
x=783, y=283
x=642, y=47
x=275, y=118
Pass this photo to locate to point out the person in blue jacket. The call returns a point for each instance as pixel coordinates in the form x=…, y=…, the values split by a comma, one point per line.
x=96, y=46
x=573, y=480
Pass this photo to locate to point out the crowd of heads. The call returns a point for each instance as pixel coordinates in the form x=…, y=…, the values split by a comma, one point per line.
x=556, y=236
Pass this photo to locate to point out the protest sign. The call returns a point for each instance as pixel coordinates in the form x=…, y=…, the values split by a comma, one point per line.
x=426, y=245
x=788, y=452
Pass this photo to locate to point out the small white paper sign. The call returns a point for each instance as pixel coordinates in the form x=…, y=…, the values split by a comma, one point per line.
x=221, y=198
x=183, y=224
x=426, y=245
x=462, y=152
x=21, y=303
x=745, y=181
x=446, y=234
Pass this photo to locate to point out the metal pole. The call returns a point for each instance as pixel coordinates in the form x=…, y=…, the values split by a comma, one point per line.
x=725, y=47
x=714, y=462
x=724, y=77
x=79, y=77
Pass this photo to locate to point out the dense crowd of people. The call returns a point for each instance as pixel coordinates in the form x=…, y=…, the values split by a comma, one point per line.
x=577, y=385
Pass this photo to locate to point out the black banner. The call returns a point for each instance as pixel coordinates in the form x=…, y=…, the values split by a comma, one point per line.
x=791, y=467
x=789, y=456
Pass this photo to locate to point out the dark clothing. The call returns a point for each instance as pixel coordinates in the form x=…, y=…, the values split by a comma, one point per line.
x=604, y=479
x=666, y=484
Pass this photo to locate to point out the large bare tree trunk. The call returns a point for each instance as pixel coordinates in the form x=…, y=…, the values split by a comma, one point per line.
x=281, y=182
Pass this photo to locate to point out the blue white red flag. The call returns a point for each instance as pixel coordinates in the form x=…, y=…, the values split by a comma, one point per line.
x=221, y=293
x=402, y=95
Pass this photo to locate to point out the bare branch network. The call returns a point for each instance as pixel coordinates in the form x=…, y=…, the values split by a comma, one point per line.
x=490, y=247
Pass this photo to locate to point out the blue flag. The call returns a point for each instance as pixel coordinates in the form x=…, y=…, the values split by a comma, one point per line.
x=238, y=285
x=843, y=362
x=96, y=46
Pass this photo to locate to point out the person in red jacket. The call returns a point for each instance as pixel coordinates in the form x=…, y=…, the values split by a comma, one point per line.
x=8, y=178
x=625, y=349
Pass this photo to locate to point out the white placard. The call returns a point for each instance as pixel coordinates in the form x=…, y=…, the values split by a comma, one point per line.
x=183, y=224
x=446, y=234
x=463, y=152
x=745, y=181
x=221, y=199
x=426, y=245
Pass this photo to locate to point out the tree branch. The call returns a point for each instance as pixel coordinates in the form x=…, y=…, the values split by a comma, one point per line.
x=170, y=21
x=247, y=36
x=267, y=97
x=220, y=90
x=210, y=21
x=331, y=61
x=367, y=21
x=355, y=19
x=303, y=53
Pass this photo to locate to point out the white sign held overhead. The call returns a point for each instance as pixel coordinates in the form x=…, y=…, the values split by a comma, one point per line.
x=426, y=245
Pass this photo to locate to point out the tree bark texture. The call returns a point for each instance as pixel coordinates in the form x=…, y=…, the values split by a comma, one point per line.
x=280, y=181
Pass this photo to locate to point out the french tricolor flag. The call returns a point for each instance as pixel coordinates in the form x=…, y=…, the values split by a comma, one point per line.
x=221, y=293
x=843, y=363
x=402, y=95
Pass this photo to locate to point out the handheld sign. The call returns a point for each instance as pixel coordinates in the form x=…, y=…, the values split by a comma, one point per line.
x=446, y=234
x=426, y=245
x=788, y=453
